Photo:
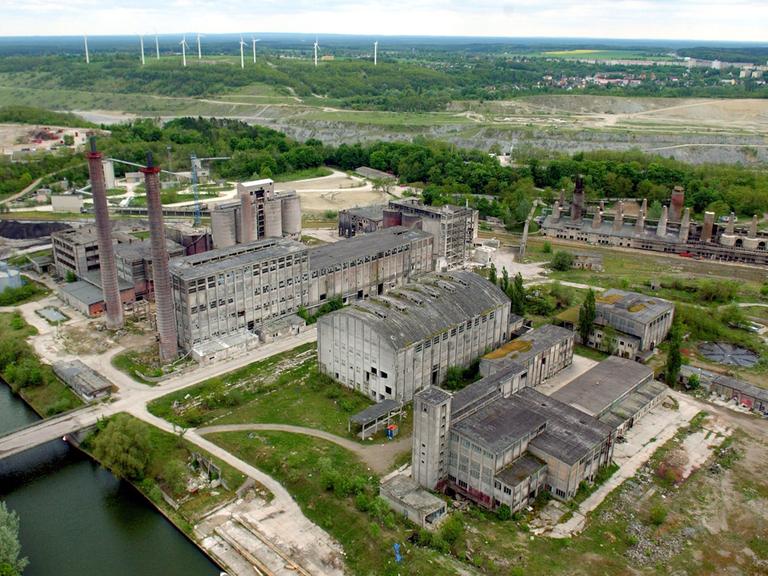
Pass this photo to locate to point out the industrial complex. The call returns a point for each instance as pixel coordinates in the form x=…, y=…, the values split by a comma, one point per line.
x=674, y=232
x=453, y=227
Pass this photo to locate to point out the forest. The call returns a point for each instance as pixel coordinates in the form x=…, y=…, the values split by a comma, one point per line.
x=444, y=173
x=398, y=85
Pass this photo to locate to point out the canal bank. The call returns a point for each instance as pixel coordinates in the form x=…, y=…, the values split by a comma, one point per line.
x=77, y=518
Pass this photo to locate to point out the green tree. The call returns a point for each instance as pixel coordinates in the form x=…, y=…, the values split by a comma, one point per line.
x=610, y=342
x=516, y=293
x=175, y=475
x=674, y=357
x=71, y=276
x=492, y=276
x=547, y=248
x=587, y=315
x=123, y=447
x=11, y=562
x=562, y=261
x=693, y=382
x=504, y=279
x=654, y=210
x=503, y=512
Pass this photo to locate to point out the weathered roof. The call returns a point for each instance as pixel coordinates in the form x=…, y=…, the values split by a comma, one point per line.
x=373, y=173
x=708, y=378
x=238, y=256
x=433, y=395
x=374, y=411
x=627, y=230
x=519, y=470
x=142, y=249
x=529, y=345
x=426, y=307
x=406, y=490
x=598, y=388
x=416, y=205
x=77, y=374
x=375, y=212
x=633, y=403
x=632, y=305
x=84, y=292
x=500, y=424
x=360, y=246
x=570, y=433
x=480, y=391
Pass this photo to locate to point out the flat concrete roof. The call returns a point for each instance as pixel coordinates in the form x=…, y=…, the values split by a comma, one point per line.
x=375, y=212
x=76, y=373
x=632, y=305
x=406, y=490
x=519, y=470
x=360, y=246
x=426, y=307
x=500, y=424
x=238, y=256
x=521, y=349
x=142, y=249
x=594, y=391
x=570, y=433
x=375, y=411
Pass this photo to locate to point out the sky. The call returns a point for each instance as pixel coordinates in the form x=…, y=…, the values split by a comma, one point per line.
x=737, y=20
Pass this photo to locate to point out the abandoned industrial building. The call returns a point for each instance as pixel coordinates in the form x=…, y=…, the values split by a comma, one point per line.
x=226, y=297
x=728, y=388
x=674, y=232
x=453, y=227
x=541, y=353
x=628, y=324
x=499, y=441
x=259, y=212
x=391, y=346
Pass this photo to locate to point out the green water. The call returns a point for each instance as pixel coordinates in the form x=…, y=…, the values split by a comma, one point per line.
x=77, y=519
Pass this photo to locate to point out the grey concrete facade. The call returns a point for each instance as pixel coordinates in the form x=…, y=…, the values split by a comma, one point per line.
x=394, y=345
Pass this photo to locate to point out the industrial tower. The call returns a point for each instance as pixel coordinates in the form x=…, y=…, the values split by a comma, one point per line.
x=107, y=265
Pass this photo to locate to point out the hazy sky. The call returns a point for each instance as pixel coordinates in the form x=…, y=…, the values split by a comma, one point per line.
x=745, y=20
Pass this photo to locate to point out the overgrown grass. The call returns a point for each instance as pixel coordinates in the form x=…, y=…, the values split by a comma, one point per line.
x=29, y=291
x=136, y=362
x=366, y=535
x=20, y=367
x=307, y=173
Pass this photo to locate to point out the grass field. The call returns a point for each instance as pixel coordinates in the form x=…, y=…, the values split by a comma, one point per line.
x=284, y=389
x=299, y=463
x=317, y=172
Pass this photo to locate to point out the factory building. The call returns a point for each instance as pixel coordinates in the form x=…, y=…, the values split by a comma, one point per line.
x=628, y=324
x=259, y=212
x=368, y=265
x=134, y=263
x=361, y=220
x=728, y=389
x=453, y=227
x=674, y=232
x=391, y=346
x=87, y=297
x=235, y=296
x=499, y=441
x=541, y=353
x=76, y=250
x=234, y=291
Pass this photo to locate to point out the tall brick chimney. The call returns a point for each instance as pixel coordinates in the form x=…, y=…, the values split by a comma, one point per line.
x=108, y=269
x=166, y=320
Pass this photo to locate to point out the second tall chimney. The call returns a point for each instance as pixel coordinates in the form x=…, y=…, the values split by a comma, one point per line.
x=161, y=278
x=107, y=267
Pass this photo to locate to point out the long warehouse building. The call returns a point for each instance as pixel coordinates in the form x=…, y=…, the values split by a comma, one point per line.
x=230, y=295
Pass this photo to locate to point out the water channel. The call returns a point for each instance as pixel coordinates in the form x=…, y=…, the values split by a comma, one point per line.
x=77, y=519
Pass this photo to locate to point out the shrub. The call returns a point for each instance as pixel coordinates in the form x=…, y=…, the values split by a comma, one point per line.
x=658, y=514
x=547, y=248
x=504, y=512
x=562, y=261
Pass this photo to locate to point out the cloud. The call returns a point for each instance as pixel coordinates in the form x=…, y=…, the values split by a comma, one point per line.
x=743, y=20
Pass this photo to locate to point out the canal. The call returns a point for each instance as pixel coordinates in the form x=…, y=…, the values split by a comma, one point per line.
x=78, y=519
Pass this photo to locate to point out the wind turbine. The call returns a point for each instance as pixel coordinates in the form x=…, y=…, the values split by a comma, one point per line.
x=242, y=54
x=253, y=42
x=199, y=50
x=375, y=52
x=87, y=56
x=141, y=41
x=316, y=47
x=157, y=48
x=184, y=50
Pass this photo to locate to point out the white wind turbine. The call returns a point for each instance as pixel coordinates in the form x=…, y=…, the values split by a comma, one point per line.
x=199, y=49
x=253, y=43
x=375, y=52
x=316, y=47
x=184, y=47
x=141, y=42
x=157, y=48
x=87, y=56
x=242, y=53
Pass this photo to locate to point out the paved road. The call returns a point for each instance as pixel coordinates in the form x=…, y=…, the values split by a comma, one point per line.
x=132, y=396
x=378, y=457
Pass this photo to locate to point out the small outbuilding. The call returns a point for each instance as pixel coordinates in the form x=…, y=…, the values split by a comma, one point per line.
x=406, y=497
